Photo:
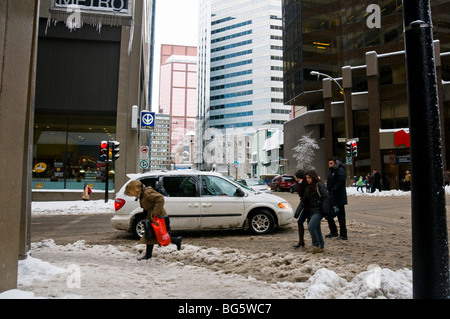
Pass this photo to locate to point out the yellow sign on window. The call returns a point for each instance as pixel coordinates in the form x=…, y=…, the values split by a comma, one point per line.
x=40, y=167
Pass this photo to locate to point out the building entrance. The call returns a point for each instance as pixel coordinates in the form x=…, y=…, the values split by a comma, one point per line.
x=395, y=165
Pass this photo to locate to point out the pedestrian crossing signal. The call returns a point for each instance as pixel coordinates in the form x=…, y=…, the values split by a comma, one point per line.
x=114, y=145
x=354, y=149
x=348, y=148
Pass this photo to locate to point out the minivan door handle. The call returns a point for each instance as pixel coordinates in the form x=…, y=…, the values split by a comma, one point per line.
x=193, y=205
x=207, y=205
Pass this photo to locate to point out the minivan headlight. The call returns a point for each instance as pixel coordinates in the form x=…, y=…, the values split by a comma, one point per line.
x=284, y=205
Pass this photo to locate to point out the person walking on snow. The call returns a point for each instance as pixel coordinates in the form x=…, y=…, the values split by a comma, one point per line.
x=360, y=184
x=303, y=214
x=317, y=200
x=153, y=204
x=337, y=189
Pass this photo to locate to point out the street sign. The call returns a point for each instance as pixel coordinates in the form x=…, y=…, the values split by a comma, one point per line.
x=348, y=161
x=147, y=120
x=144, y=152
x=144, y=164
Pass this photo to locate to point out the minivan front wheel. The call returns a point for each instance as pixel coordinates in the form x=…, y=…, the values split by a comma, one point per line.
x=137, y=227
x=261, y=222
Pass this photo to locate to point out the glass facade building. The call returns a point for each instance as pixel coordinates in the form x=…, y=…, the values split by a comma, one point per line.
x=240, y=66
x=325, y=35
x=340, y=39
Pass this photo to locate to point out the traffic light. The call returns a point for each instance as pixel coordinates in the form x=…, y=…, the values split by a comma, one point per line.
x=354, y=149
x=114, y=145
x=103, y=151
x=348, y=148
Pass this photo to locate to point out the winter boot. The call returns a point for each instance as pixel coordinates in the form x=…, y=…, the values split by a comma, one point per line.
x=301, y=241
x=176, y=241
x=148, y=252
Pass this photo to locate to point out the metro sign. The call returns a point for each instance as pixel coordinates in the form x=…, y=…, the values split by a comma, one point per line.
x=121, y=6
x=95, y=12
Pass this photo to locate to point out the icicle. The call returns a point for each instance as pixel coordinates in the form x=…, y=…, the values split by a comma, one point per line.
x=49, y=21
x=130, y=44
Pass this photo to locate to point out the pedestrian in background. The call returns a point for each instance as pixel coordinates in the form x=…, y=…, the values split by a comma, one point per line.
x=302, y=214
x=368, y=182
x=360, y=184
x=407, y=181
x=317, y=200
x=376, y=180
x=337, y=189
x=86, y=195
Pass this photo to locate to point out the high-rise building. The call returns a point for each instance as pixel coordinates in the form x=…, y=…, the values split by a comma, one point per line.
x=359, y=46
x=178, y=91
x=240, y=68
x=160, y=143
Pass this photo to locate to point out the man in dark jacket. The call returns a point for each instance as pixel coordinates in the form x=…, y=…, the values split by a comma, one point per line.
x=336, y=185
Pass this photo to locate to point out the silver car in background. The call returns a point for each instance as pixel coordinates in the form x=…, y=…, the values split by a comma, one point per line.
x=256, y=184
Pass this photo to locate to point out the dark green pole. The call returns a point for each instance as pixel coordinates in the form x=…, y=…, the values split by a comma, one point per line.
x=429, y=221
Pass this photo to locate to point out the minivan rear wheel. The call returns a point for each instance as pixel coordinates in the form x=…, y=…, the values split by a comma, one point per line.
x=137, y=227
x=261, y=222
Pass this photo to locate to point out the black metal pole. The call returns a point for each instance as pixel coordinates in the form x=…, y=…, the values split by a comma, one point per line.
x=107, y=173
x=429, y=221
x=107, y=182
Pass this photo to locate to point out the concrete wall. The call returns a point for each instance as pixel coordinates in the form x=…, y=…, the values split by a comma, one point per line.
x=17, y=73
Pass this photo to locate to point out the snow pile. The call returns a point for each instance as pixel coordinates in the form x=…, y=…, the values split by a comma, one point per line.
x=72, y=207
x=31, y=269
x=385, y=193
x=97, y=271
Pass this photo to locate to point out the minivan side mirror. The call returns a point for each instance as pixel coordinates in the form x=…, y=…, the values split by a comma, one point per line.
x=239, y=193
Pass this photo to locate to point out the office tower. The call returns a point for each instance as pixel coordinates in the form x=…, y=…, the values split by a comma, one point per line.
x=178, y=91
x=160, y=143
x=360, y=45
x=240, y=68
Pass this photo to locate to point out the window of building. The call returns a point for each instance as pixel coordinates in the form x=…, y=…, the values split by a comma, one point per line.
x=66, y=151
x=394, y=114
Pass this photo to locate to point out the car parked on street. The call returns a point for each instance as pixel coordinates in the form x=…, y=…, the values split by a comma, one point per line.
x=196, y=200
x=255, y=184
x=282, y=182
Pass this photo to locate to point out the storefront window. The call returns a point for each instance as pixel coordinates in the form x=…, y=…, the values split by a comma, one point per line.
x=66, y=151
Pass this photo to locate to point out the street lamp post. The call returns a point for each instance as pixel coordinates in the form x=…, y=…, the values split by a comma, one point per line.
x=347, y=168
x=345, y=100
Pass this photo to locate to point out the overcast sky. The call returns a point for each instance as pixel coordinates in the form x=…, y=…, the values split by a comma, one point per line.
x=175, y=23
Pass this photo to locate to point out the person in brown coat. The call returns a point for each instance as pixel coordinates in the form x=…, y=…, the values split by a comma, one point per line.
x=153, y=204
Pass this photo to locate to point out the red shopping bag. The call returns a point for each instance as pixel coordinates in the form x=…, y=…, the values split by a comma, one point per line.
x=159, y=226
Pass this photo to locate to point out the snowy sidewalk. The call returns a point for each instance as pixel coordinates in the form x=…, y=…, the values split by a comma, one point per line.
x=104, y=271
x=107, y=272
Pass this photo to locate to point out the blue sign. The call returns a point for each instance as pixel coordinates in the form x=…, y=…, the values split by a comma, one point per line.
x=147, y=119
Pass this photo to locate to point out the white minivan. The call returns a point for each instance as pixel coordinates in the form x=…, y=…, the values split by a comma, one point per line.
x=197, y=200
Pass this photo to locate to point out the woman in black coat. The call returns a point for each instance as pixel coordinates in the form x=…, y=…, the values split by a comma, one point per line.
x=301, y=214
x=317, y=200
